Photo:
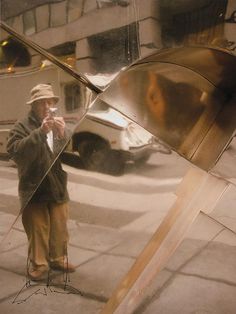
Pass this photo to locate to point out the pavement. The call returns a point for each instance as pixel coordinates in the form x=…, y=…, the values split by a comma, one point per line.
x=199, y=278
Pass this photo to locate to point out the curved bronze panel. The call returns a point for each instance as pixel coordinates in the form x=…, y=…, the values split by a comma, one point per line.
x=217, y=66
x=185, y=97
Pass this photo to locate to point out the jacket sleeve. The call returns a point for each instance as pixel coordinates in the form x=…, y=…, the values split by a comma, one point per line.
x=23, y=144
x=61, y=144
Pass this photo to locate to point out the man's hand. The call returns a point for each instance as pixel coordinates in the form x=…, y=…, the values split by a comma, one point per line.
x=47, y=124
x=59, y=126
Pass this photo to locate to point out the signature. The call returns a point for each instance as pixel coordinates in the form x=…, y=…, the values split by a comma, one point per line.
x=31, y=289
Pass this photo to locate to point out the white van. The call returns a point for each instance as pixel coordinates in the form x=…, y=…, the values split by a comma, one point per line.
x=105, y=140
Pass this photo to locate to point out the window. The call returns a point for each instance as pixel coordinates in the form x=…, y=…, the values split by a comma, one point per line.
x=58, y=13
x=73, y=97
x=108, y=3
x=75, y=8
x=65, y=52
x=68, y=48
x=114, y=49
x=42, y=17
x=13, y=54
x=29, y=22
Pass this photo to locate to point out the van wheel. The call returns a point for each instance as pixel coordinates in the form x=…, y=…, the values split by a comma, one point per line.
x=93, y=153
x=141, y=161
x=96, y=155
x=115, y=164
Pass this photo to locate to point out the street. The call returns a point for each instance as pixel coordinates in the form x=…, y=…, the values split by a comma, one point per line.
x=112, y=201
x=111, y=220
x=105, y=211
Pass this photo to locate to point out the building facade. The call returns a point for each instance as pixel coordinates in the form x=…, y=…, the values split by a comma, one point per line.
x=104, y=36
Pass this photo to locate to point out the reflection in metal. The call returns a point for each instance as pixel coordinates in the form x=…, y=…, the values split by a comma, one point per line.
x=183, y=93
x=16, y=85
x=106, y=140
x=50, y=57
x=8, y=56
x=135, y=30
x=181, y=100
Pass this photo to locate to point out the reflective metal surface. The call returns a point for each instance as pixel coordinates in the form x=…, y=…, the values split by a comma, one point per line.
x=101, y=50
x=178, y=94
x=181, y=100
x=72, y=29
x=160, y=76
x=16, y=81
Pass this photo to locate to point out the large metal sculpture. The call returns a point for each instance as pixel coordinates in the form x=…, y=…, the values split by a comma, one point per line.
x=185, y=95
x=200, y=129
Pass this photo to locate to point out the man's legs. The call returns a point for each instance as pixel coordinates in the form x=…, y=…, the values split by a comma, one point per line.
x=36, y=222
x=46, y=227
x=59, y=237
x=58, y=232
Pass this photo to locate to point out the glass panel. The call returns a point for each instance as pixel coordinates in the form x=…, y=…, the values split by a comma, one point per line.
x=118, y=44
x=120, y=49
x=108, y=158
x=42, y=14
x=140, y=28
x=75, y=9
x=58, y=14
x=29, y=22
x=13, y=54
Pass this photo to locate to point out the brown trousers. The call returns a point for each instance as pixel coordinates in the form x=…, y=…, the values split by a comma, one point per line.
x=46, y=227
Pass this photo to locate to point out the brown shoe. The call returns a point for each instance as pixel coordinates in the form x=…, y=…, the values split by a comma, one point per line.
x=37, y=274
x=66, y=267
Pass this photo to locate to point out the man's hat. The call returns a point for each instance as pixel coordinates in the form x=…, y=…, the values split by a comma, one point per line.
x=41, y=91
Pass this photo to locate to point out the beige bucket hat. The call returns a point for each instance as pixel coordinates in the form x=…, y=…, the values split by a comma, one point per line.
x=41, y=91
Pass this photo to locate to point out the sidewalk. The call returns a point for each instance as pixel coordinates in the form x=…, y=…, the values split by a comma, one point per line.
x=199, y=278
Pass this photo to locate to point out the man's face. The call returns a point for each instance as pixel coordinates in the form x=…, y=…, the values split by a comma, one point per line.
x=41, y=107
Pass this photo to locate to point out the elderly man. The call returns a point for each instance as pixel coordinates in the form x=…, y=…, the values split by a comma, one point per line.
x=34, y=143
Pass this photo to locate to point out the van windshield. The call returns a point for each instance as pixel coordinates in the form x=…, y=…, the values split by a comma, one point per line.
x=99, y=106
